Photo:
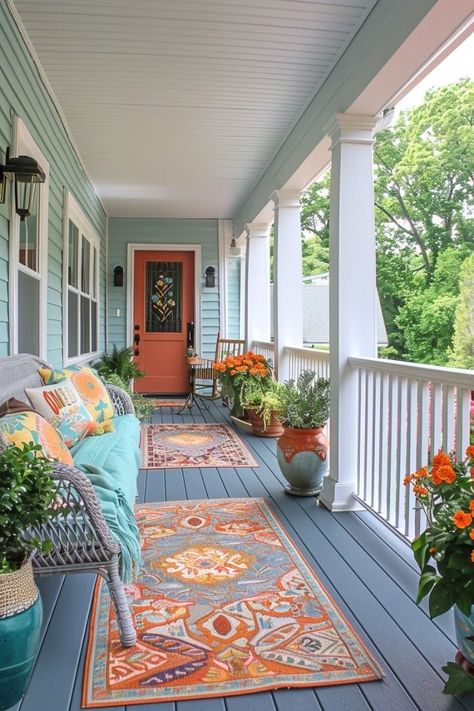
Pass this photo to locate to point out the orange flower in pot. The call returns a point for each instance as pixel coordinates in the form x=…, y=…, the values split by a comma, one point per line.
x=303, y=447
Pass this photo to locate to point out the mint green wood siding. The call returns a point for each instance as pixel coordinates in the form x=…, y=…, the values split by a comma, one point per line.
x=125, y=231
x=233, y=298
x=22, y=92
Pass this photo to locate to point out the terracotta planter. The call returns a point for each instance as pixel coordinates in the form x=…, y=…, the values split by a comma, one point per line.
x=273, y=429
x=302, y=456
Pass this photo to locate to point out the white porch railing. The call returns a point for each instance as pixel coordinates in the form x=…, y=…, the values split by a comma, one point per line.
x=264, y=348
x=308, y=359
x=405, y=413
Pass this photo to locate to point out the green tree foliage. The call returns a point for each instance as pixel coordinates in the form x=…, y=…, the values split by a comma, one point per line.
x=462, y=354
x=315, y=227
x=426, y=317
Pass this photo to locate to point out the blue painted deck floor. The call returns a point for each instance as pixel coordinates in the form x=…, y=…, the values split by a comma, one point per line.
x=369, y=572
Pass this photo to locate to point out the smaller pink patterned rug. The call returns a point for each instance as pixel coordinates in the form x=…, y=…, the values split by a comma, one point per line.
x=202, y=445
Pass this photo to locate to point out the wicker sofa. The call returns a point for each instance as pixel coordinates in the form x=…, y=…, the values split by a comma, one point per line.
x=82, y=541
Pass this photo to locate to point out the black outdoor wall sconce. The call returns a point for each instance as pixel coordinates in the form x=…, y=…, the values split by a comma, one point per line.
x=210, y=273
x=118, y=275
x=27, y=173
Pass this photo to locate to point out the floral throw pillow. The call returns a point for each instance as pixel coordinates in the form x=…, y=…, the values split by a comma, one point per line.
x=61, y=405
x=24, y=427
x=91, y=389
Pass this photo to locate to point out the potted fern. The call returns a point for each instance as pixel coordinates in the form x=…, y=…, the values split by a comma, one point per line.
x=28, y=498
x=303, y=447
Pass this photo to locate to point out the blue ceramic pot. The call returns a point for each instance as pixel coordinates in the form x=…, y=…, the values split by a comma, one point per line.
x=19, y=640
x=302, y=456
x=464, y=627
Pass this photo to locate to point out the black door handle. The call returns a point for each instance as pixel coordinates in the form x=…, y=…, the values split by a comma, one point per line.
x=136, y=339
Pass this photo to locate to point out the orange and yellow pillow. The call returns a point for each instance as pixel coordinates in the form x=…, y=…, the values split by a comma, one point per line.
x=24, y=427
x=89, y=387
x=61, y=405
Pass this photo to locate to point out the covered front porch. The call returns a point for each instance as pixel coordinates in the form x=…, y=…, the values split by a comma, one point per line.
x=208, y=170
x=367, y=569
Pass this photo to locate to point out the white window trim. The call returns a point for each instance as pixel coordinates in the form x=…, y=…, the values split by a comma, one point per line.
x=24, y=144
x=74, y=212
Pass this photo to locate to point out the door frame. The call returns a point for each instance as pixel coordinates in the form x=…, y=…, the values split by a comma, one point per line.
x=158, y=247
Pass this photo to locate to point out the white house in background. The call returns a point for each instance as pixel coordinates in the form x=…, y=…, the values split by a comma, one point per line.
x=316, y=311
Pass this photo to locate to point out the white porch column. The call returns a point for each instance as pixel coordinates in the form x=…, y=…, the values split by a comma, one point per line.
x=287, y=278
x=352, y=295
x=257, y=281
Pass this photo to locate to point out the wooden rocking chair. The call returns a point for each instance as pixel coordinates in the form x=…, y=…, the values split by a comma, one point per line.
x=203, y=380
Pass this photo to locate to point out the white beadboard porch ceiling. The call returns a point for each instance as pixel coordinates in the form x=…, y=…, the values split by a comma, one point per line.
x=178, y=106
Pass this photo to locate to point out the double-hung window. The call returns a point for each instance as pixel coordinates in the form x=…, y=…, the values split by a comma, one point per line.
x=29, y=259
x=81, y=282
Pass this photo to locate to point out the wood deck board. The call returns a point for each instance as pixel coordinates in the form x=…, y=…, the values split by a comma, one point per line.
x=367, y=570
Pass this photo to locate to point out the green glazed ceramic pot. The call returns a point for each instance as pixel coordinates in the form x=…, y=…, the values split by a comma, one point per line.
x=464, y=627
x=21, y=614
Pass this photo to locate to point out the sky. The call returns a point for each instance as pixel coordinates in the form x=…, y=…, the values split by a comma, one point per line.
x=457, y=65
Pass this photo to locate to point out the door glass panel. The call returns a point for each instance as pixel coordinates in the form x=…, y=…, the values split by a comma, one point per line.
x=164, y=297
x=72, y=254
x=28, y=320
x=28, y=254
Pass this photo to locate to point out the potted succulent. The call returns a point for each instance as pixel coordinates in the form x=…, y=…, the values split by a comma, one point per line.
x=445, y=553
x=303, y=447
x=263, y=403
x=28, y=497
x=239, y=374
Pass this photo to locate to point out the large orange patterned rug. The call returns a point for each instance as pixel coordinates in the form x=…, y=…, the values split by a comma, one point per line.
x=225, y=604
x=193, y=445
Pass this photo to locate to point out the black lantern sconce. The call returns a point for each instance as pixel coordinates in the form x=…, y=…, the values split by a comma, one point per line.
x=118, y=275
x=27, y=173
x=210, y=273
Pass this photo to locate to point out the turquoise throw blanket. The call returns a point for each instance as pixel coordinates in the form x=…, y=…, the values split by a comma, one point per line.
x=111, y=462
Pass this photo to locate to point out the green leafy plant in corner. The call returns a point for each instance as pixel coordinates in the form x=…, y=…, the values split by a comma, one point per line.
x=119, y=362
x=305, y=402
x=264, y=401
x=28, y=497
x=144, y=406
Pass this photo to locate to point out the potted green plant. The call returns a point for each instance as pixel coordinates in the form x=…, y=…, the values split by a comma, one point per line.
x=303, y=447
x=118, y=362
x=444, y=552
x=263, y=403
x=28, y=498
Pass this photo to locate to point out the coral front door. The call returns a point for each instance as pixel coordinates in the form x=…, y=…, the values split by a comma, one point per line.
x=163, y=305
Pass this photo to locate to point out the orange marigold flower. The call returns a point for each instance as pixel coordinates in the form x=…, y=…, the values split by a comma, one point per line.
x=421, y=473
x=462, y=519
x=408, y=479
x=420, y=490
x=433, y=550
x=472, y=472
x=471, y=506
x=472, y=556
x=471, y=533
x=441, y=459
x=470, y=451
x=233, y=372
x=443, y=475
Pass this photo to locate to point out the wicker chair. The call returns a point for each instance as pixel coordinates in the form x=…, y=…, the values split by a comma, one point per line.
x=82, y=541
x=204, y=381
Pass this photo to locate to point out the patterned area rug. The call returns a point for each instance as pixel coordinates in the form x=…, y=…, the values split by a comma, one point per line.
x=225, y=604
x=169, y=403
x=176, y=446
